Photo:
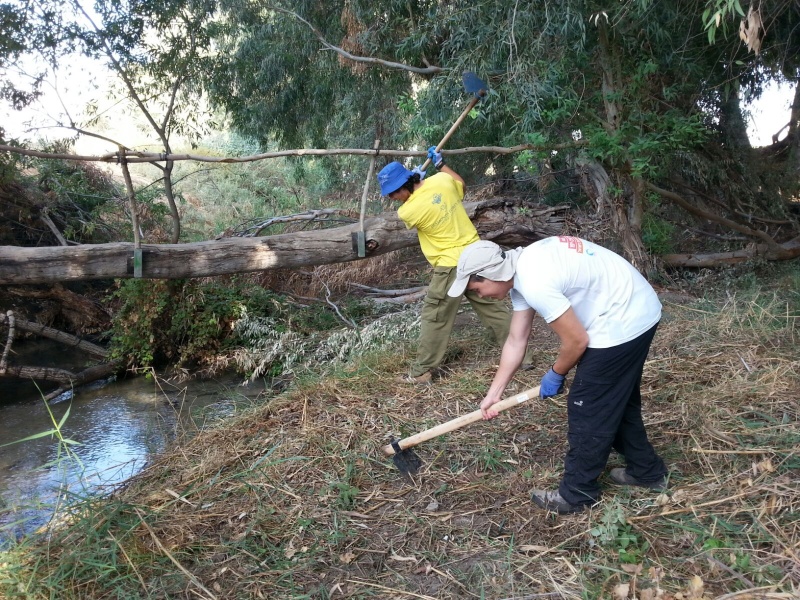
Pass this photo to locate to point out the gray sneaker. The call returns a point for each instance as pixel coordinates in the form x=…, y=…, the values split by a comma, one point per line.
x=619, y=476
x=551, y=500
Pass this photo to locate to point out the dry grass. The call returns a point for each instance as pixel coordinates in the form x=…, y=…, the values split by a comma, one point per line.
x=295, y=499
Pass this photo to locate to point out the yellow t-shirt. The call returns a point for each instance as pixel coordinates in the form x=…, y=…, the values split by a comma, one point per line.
x=443, y=227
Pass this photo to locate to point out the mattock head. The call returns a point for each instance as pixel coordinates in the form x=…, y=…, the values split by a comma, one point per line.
x=406, y=460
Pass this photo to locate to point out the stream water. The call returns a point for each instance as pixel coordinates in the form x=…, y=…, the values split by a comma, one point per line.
x=118, y=427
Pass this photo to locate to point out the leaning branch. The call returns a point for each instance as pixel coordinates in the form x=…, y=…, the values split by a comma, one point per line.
x=774, y=247
x=429, y=70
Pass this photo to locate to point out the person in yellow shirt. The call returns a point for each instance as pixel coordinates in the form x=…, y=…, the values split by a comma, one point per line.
x=434, y=207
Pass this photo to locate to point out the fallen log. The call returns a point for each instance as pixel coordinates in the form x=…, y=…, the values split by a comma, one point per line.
x=789, y=250
x=56, y=335
x=404, y=299
x=497, y=219
x=64, y=378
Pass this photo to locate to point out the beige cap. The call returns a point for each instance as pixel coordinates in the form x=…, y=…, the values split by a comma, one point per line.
x=483, y=258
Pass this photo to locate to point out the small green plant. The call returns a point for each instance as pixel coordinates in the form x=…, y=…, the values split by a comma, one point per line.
x=613, y=531
x=346, y=493
x=64, y=455
x=611, y=520
x=657, y=235
x=65, y=444
x=491, y=459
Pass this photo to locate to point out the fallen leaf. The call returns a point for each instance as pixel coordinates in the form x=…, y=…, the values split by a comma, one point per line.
x=347, y=557
x=290, y=551
x=533, y=548
x=424, y=569
x=632, y=569
x=621, y=591
x=647, y=594
x=696, y=586
x=336, y=588
x=765, y=466
x=399, y=558
x=678, y=496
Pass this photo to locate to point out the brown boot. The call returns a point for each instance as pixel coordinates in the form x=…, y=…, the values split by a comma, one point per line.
x=425, y=379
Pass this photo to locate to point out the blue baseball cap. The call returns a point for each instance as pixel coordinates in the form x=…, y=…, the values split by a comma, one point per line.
x=392, y=177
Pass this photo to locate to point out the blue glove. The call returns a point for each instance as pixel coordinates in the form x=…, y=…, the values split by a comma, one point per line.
x=436, y=157
x=418, y=170
x=552, y=384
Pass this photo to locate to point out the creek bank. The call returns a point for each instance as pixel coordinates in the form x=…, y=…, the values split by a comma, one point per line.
x=119, y=427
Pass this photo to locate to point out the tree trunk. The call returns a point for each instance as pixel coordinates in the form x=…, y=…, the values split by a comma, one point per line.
x=497, y=219
x=734, y=128
x=627, y=208
x=61, y=376
x=173, y=207
x=793, y=166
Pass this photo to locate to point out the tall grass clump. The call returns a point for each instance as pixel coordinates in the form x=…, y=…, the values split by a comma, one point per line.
x=269, y=349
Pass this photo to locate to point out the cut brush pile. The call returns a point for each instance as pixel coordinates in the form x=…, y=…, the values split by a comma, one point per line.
x=296, y=500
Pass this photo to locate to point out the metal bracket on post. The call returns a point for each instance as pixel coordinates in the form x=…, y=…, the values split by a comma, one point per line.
x=360, y=238
x=137, y=263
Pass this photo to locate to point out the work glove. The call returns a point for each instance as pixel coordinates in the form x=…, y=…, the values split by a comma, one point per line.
x=436, y=157
x=552, y=384
x=418, y=170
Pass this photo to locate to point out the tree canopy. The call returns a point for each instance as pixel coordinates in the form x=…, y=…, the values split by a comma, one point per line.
x=649, y=94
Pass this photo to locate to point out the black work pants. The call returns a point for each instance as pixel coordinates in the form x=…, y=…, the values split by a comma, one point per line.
x=604, y=408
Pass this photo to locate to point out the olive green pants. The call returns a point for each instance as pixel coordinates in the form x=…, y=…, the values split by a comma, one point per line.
x=439, y=314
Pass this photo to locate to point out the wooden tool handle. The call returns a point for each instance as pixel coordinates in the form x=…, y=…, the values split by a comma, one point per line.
x=455, y=125
x=460, y=422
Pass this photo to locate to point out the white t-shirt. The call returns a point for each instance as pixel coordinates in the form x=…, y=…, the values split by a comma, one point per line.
x=611, y=299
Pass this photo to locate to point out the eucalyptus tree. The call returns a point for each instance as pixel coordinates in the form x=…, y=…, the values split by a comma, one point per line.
x=155, y=49
x=14, y=44
x=554, y=69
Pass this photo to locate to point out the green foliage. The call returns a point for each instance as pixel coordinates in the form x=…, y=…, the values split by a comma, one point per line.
x=201, y=322
x=184, y=322
x=14, y=43
x=657, y=235
x=716, y=15
x=138, y=319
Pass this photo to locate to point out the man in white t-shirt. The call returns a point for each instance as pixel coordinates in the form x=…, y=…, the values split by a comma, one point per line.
x=605, y=314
